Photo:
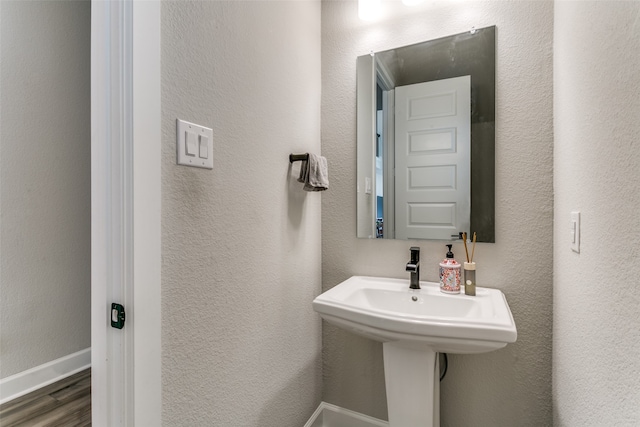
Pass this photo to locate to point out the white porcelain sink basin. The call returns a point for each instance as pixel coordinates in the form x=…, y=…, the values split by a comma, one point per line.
x=387, y=310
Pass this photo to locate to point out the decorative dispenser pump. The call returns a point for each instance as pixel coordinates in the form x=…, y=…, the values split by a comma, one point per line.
x=450, y=274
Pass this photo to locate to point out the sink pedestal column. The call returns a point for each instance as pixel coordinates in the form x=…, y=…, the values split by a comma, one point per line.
x=412, y=378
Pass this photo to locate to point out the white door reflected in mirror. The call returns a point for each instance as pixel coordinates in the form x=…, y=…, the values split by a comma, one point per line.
x=432, y=159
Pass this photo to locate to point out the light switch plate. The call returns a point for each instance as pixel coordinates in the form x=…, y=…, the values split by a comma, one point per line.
x=575, y=231
x=199, y=152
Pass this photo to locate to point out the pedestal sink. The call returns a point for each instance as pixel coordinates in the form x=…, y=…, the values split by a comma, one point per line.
x=414, y=325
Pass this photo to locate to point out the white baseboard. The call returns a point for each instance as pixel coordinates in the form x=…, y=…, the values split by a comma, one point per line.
x=328, y=415
x=30, y=380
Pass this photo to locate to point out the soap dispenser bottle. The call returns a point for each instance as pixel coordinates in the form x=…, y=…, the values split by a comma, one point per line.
x=450, y=274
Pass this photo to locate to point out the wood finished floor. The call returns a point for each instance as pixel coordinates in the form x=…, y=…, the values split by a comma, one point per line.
x=66, y=403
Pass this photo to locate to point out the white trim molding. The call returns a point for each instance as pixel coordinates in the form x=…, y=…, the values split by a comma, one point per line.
x=328, y=415
x=111, y=211
x=125, y=202
x=35, y=378
x=147, y=162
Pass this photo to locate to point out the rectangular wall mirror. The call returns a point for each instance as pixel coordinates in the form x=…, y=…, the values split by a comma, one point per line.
x=426, y=139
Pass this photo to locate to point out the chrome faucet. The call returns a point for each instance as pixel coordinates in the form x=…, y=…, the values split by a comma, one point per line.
x=414, y=267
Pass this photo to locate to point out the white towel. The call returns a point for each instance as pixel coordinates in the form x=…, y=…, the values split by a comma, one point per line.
x=314, y=173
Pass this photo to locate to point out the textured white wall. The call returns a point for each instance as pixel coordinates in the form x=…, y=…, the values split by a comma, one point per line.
x=596, y=322
x=45, y=182
x=509, y=387
x=241, y=243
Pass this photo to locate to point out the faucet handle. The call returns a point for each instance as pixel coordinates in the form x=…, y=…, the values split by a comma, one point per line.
x=412, y=267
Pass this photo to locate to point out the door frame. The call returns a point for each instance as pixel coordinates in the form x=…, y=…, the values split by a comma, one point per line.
x=389, y=162
x=126, y=211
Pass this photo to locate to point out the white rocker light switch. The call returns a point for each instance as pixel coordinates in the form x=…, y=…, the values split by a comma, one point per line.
x=194, y=145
